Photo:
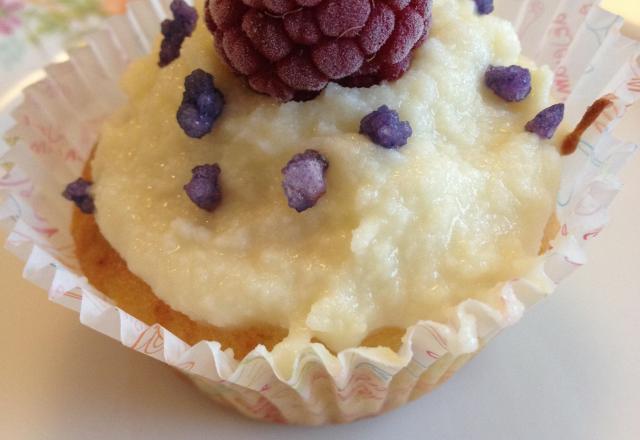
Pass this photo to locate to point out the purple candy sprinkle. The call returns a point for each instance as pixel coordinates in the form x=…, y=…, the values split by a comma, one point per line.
x=547, y=121
x=202, y=104
x=78, y=192
x=304, y=181
x=384, y=128
x=176, y=30
x=484, y=7
x=185, y=14
x=203, y=189
x=511, y=83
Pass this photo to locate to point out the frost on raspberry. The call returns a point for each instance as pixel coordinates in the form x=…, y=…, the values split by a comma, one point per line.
x=267, y=35
x=291, y=49
x=408, y=30
x=302, y=28
x=342, y=18
x=378, y=28
x=338, y=58
x=280, y=6
x=299, y=73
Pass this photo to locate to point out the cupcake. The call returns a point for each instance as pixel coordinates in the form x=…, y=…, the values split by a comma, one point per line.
x=362, y=210
x=342, y=196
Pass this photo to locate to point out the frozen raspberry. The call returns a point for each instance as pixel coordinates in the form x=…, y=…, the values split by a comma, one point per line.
x=299, y=73
x=378, y=28
x=484, y=7
x=408, y=30
x=338, y=58
x=305, y=95
x=226, y=14
x=239, y=51
x=399, y=5
x=511, y=83
x=547, y=121
x=78, y=192
x=304, y=179
x=202, y=104
x=271, y=85
x=176, y=30
x=308, y=3
x=302, y=28
x=385, y=128
x=267, y=35
x=342, y=18
x=257, y=4
x=204, y=189
x=280, y=6
x=291, y=49
x=208, y=19
x=395, y=71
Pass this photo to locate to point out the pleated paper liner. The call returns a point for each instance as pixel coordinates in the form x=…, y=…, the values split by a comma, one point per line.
x=58, y=123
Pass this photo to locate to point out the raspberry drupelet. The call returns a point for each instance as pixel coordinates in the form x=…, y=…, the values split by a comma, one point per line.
x=291, y=49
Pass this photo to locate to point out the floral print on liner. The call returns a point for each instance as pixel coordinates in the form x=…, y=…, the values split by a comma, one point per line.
x=9, y=18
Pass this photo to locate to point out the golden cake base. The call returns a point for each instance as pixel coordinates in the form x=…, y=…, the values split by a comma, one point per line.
x=108, y=272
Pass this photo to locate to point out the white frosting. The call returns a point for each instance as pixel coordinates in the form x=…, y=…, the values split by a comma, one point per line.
x=398, y=237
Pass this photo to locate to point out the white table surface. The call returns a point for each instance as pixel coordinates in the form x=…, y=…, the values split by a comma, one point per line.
x=569, y=370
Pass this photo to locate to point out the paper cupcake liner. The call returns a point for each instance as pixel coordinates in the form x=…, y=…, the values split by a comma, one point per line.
x=57, y=125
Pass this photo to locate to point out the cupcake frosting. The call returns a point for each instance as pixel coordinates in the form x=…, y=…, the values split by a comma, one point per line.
x=399, y=235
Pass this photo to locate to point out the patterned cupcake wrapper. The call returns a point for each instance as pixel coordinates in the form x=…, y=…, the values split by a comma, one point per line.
x=57, y=124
